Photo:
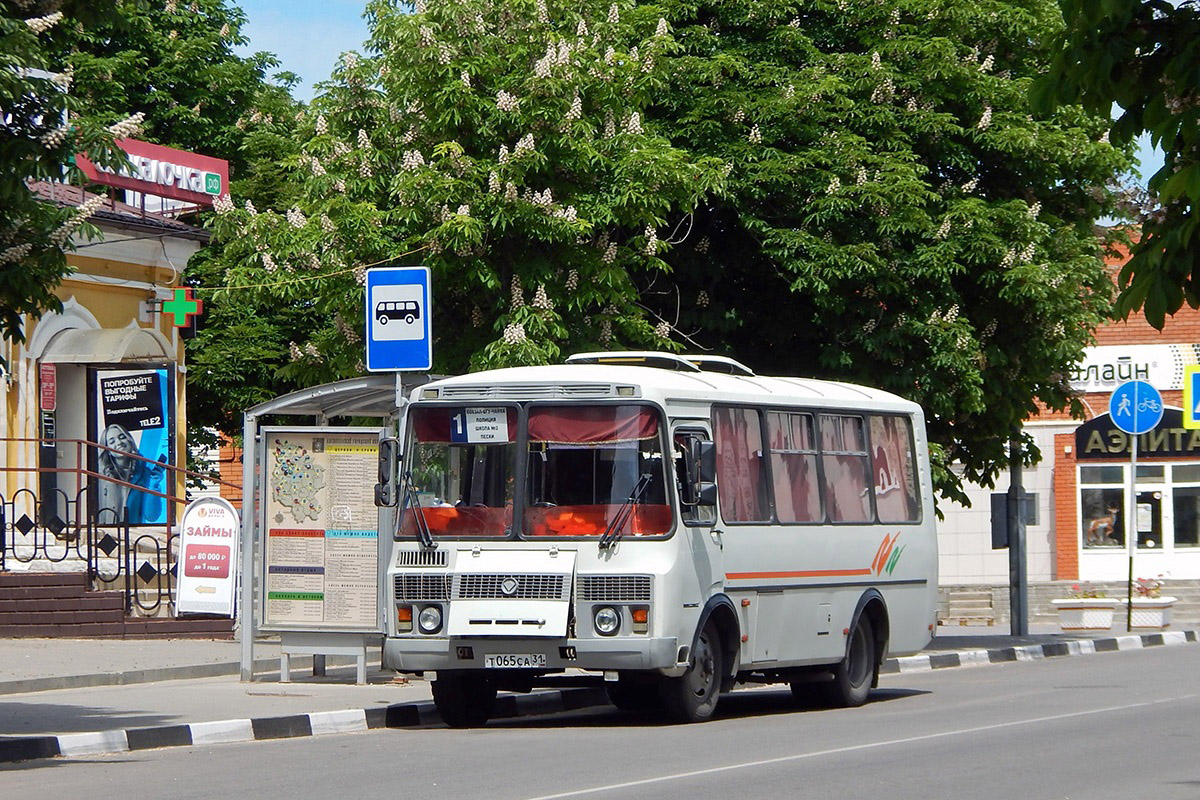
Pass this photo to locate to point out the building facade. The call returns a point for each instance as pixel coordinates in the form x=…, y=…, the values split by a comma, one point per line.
x=108, y=368
x=1080, y=487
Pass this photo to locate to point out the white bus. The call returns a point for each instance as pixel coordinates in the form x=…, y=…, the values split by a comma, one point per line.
x=678, y=524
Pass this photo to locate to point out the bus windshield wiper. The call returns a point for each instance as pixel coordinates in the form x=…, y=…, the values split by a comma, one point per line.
x=613, y=531
x=413, y=499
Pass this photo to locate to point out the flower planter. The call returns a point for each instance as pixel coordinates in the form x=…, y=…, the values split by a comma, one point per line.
x=1151, y=613
x=1086, y=613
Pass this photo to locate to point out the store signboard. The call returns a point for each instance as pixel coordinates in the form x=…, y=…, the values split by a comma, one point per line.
x=163, y=172
x=208, y=554
x=1105, y=368
x=321, y=564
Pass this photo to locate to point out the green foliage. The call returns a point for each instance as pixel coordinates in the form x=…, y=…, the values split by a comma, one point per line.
x=37, y=144
x=501, y=146
x=174, y=61
x=896, y=214
x=1142, y=56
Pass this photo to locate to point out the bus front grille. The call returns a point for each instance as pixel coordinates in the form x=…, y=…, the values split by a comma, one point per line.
x=614, y=588
x=514, y=586
x=422, y=587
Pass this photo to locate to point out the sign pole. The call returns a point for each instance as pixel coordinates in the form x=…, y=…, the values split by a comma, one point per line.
x=1131, y=531
x=1135, y=407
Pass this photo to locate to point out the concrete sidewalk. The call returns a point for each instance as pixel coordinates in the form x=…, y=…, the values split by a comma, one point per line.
x=79, y=697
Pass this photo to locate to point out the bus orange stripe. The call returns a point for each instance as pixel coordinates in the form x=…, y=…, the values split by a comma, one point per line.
x=808, y=573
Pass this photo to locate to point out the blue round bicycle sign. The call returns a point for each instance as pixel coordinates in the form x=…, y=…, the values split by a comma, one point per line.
x=1136, y=407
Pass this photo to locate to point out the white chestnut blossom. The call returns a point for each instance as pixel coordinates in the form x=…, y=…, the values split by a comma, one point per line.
x=222, y=204
x=514, y=333
x=634, y=125
x=43, y=24
x=506, y=101
x=130, y=126
x=986, y=120
x=16, y=252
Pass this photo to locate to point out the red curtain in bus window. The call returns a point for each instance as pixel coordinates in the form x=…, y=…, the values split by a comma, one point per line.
x=592, y=424
x=449, y=424
x=740, y=476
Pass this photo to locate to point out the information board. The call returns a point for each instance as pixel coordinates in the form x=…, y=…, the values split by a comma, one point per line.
x=321, y=563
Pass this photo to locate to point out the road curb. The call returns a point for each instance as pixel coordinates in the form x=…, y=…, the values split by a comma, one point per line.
x=408, y=715
x=972, y=658
x=424, y=714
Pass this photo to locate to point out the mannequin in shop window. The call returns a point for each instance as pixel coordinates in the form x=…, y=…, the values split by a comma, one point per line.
x=140, y=508
x=1103, y=530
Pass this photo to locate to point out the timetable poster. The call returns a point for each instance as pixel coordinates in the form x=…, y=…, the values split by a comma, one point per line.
x=322, y=536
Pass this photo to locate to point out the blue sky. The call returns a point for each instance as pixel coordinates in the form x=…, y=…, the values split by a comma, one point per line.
x=306, y=35
x=309, y=35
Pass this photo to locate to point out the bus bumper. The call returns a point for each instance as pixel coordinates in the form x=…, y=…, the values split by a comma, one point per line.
x=623, y=653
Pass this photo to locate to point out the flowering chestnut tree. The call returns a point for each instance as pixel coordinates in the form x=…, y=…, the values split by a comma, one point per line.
x=896, y=213
x=37, y=142
x=504, y=146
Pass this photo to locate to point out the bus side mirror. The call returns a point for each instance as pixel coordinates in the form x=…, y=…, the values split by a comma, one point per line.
x=385, y=491
x=704, y=456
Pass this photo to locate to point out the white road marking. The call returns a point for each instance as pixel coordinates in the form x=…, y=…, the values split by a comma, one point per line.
x=853, y=748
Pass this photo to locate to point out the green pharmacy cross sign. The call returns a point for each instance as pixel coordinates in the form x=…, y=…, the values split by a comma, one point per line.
x=183, y=307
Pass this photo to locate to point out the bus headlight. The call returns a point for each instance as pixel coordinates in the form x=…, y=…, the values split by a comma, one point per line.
x=430, y=619
x=607, y=620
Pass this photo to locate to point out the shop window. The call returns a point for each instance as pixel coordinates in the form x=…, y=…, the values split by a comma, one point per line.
x=1103, y=517
x=846, y=470
x=741, y=479
x=1150, y=474
x=1186, y=473
x=1101, y=474
x=794, y=467
x=1187, y=514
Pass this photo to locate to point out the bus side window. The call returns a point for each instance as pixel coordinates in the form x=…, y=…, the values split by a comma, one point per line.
x=686, y=480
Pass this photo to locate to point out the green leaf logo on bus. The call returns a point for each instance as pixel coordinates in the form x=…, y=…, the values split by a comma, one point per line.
x=887, y=555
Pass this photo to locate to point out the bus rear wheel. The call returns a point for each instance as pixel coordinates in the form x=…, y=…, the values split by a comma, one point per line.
x=463, y=699
x=854, y=674
x=692, y=697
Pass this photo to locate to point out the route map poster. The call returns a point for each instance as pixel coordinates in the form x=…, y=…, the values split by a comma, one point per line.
x=322, y=529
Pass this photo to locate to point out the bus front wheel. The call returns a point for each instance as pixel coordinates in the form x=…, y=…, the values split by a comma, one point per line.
x=463, y=699
x=692, y=697
x=853, y=675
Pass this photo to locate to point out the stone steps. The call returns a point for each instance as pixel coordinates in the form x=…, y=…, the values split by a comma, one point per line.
x=61, y=605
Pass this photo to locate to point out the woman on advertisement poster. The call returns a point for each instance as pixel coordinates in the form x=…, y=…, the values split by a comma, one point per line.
x=140, y=508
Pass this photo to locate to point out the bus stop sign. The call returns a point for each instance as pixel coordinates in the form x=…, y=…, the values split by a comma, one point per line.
x=1135, y=407
x=399, y=330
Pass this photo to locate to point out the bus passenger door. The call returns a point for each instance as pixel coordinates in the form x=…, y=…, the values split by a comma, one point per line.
x=694, y=479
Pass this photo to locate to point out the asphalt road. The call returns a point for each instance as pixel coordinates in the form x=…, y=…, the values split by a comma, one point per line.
x=1113, y=725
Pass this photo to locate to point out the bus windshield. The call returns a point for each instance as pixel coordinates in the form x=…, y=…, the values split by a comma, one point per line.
x=591, y=470
x=594, y=470
x=461, y=469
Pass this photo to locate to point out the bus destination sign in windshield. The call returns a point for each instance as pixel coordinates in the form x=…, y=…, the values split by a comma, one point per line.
x=480, y=426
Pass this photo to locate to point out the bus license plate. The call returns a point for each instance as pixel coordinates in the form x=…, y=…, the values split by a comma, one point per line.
x=514, y=660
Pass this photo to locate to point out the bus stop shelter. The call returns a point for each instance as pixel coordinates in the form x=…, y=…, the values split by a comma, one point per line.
x=380, y=398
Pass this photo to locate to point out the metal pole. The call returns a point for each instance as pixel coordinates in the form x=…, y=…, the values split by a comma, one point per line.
x=1018, y=584
x=1131, y=527
x=246, y=563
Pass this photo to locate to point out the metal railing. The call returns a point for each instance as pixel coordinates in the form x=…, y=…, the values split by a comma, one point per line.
x=56, y=526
